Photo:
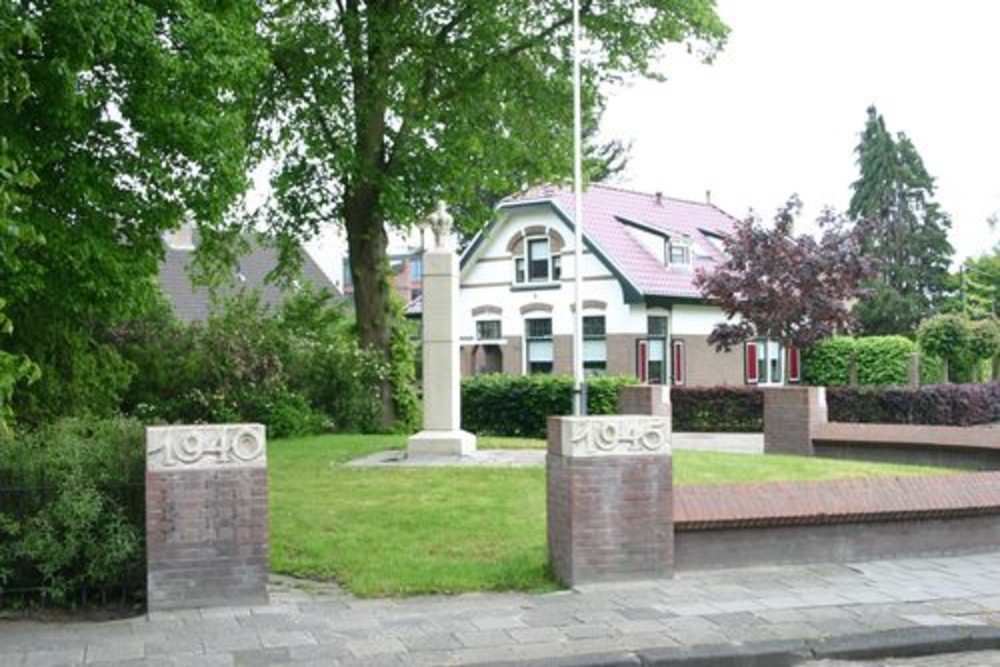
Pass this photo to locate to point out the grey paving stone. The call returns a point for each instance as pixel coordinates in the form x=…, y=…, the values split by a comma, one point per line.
x=262, y=657
x=125, y=648
x=327, y=652
x=648, y=640
x=363, y=648
x=482, y=654
x=498, y=622
x=230, y=642
x=535, y=635
x=276, y=639
x=432, y=642
x=644, y=613
x=636, y=627
x=484, y=638
x=175, y=646
x=539, y=650
x=739, y=619
x=588, y=631
x=54, y=658
x=214, y=660
x=13, y=659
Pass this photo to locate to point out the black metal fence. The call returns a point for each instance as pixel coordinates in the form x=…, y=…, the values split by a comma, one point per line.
x=24, y=496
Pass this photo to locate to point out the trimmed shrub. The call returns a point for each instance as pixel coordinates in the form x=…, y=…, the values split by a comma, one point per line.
x=298, y=370
x=717, y=409
x=520, y=405
x=828, y=363
x=71, y=510
x=882, y=360
x=946, y=404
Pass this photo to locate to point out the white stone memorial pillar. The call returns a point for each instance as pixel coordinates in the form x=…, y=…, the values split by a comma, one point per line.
x=442, y=433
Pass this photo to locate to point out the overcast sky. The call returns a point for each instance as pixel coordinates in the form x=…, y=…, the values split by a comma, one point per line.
x=781, y=108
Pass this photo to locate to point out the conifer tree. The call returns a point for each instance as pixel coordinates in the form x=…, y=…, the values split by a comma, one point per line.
x=909, y=231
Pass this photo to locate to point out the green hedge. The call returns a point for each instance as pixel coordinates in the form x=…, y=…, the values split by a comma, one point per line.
x=828, y=363
x=717, y=409
x=72, y=513
x=519, y=405
x=880, y=360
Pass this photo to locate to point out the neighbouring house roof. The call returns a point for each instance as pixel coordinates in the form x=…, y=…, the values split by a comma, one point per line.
x=608, y=213
x=193, y=303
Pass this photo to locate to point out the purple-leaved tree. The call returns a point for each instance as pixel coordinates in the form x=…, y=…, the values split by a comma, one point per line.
x=795, y=289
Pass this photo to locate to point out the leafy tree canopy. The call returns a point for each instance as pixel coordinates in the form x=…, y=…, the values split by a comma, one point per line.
x=908, y=235
x=118, y=120
x=377, y=109
x=790, y=288
x=975, y=288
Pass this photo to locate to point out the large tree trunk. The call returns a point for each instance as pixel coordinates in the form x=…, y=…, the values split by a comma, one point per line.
x=366, y=243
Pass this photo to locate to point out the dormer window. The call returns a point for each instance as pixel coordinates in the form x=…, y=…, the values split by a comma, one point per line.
x=677, y=252
x=537, y=263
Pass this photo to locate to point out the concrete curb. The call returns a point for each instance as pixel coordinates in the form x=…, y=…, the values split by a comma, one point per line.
x=903, y=643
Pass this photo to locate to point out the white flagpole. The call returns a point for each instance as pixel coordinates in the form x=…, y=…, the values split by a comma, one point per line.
x=579, y=399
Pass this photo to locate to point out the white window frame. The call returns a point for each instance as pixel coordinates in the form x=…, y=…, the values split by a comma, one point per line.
x=766, y=379
x=488, y=341
x=526, y=363
x=603, y=337
x=525, y=257
x=680, y=243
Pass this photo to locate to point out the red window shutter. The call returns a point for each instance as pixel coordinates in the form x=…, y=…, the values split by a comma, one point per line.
x=750, y=362
x=642, y=357
x=793, y=364
x=680, y=372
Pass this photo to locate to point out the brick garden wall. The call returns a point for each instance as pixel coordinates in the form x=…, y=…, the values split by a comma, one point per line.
x=835, y=521
x=974, y=447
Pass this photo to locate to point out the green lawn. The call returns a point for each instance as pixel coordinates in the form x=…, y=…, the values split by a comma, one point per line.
x=445, y=530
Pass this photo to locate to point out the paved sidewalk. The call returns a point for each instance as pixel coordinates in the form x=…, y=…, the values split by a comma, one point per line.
x=324, y=626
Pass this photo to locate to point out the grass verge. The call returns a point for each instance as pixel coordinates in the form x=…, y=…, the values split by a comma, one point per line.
x=414, y=531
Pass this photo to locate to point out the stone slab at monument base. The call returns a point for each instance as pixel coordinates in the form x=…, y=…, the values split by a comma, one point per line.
x=441, y=443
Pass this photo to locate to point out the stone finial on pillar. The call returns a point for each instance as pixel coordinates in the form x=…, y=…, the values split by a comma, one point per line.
x=442, y=433
x=609, y=497
x=791, y=415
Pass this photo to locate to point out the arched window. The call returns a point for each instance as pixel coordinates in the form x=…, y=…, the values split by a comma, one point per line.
x=537, y=256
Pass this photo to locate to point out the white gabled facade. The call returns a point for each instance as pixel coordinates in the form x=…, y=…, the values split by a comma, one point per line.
x=516, y=308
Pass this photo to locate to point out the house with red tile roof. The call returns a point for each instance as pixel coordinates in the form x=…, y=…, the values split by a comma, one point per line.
x=642, y=314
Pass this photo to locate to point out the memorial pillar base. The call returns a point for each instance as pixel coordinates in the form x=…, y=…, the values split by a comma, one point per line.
x=441, y=443
x=609, y=499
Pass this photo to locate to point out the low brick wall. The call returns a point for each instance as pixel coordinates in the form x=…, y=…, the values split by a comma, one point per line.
x=835, y=521
x=973, y=447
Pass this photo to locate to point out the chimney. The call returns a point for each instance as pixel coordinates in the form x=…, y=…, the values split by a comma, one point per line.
x=708, y=196
x=659, y=198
